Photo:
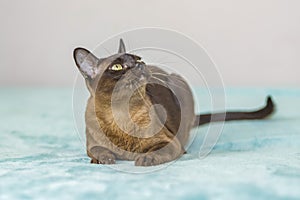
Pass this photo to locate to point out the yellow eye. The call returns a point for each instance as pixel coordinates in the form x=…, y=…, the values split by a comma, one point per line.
x=117, y=67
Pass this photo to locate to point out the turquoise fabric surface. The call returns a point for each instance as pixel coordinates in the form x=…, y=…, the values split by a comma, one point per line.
x=42, y=157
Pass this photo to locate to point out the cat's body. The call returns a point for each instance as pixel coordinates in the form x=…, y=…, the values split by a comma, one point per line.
x=130, y=141
x=122, y=118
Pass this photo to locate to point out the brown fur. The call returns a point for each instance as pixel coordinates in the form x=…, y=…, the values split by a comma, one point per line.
x=140, y=132
x=114, y=143
x=122, y=119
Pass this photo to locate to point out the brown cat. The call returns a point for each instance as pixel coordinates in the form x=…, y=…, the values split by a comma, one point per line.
x=140, y=112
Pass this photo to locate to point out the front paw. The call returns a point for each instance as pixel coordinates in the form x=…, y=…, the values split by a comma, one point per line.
x=101, y=155
x=105, y=159
x=147, y=160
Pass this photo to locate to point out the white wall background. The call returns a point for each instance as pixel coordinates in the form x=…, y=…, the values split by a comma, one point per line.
x=253, y=42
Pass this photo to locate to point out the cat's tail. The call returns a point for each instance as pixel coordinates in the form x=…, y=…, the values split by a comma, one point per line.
x=264, y=112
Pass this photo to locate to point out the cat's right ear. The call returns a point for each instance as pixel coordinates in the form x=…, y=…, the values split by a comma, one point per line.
x=86, y=62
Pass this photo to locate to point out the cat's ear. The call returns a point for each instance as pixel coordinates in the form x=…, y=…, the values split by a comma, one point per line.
x=86, y=62
x=122, y=48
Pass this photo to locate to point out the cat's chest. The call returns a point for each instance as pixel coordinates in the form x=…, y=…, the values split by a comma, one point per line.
x=129, y=119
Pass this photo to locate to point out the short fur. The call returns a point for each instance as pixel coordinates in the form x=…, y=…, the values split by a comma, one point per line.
x=122, y=118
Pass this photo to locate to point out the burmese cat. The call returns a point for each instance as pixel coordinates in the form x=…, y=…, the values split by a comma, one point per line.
x=120, y=123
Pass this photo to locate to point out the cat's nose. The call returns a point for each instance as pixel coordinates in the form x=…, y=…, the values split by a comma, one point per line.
x=140, y=66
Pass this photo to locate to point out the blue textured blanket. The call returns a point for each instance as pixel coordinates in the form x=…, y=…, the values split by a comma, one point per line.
x=41, y=155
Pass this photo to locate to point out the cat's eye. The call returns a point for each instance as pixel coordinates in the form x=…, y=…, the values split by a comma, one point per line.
x=117, y=67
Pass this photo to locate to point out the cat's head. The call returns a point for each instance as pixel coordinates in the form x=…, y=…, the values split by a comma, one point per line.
x=121, y=71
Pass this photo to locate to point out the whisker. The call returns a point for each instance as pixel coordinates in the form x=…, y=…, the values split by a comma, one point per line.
x=170, y=83
x=162, y=60
x=146, y=103
x=158, y=73
x=174, y=75
x=141, y=95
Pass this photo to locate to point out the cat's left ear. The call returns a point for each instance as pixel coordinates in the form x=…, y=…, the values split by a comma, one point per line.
x=86, y=62
x=122, y=48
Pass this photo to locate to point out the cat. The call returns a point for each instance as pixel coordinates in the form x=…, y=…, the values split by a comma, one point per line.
x=140, y=112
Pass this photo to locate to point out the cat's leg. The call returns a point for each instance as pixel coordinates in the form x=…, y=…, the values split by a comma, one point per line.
x=162, y=152
x=101, y=155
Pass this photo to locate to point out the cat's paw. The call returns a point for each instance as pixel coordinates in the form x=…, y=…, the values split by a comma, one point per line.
x=105, y=159
x=147, y=160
